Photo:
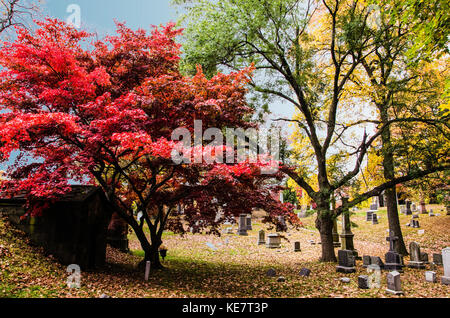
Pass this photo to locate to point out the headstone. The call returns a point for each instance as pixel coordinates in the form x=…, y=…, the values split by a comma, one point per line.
x=394, y=285
x=305, y=272
x=147, y=270
x=346, y=262
x=271, y=273
x=273, y=241
x=448, y=210
x=424, y=258
x=242, y=231
x=393, y=260
x=367, y=260
x=415, y=262
x=374, y=219
x=345, y=280
x=437, y=259
x=229, y=230
x=403, y=209
x=346, y=234
x=281, y=226
x=430, y=277
x=249, y=223
x=374, y=205
x=423, y=208
x=363, y=282
x=408, y=208
x=262, y=238
x=369, y=215
x=446, y=261
x=376, y=260
x=297, y=247
x=281, y=279
x=336, y=242
x=415, y=216
x=431, y=213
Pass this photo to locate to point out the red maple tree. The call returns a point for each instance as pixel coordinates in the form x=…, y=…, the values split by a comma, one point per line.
x=103, y=113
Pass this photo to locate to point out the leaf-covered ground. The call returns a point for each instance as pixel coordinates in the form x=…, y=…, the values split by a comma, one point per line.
x=233, y=266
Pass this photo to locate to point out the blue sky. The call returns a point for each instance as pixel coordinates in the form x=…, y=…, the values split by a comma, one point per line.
x=99, y=15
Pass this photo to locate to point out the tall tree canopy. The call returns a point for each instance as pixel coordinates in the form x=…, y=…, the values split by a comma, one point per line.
x=104, y=113
x=305, y=53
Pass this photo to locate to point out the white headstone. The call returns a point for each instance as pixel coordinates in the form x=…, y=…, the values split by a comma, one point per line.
x=430, y=277
x=147, y=270
x=446, y=262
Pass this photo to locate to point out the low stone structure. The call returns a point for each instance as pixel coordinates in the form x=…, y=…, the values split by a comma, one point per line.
x=273, y=241
x=73, y=229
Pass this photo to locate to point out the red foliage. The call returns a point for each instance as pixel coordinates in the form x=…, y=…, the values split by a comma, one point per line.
x=103, y=113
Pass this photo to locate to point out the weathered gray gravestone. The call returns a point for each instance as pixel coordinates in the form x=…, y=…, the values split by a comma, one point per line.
x=305, y=272
x=374, y=219
x=376, y=260
x=424, y=258
x=430, y=277
x=336, y=242
x=413, y=207
x=446, y=261
x=271, y=273
x=249, y=223
x=363, y=282
x=281, y=226
x=369, y=215
x=347, y=235
x=346, y=262
x=437, y=259
x=374, y=205
x=367, y=260
x=408, y=208
x=261, y=237
x=297, y=247
x=416, y=261
x=423, y=208
x=273, y=241
x=393, y=260
x=242, y=225
x=394, y=285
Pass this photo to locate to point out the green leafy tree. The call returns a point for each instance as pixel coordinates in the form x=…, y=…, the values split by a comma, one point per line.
x=305, y=54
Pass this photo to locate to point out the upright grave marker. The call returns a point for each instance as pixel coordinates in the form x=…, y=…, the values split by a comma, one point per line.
x=416, y=256
x=446, y=261
x=261, y=237
x=347, y=235
x=346, y=262
x=242, y=231
x=393, y=260
x=394, y=285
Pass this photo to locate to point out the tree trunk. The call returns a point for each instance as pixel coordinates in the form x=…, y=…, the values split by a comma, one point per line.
x=391, y=194
x=394, y=221
x=153, y=256
x=324, y=224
